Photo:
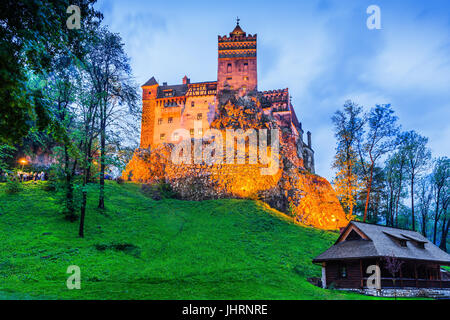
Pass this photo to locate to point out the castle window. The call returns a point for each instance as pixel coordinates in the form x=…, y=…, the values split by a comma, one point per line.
x=160, y=121
x=170, y=120
x=245, y=67
x=200, y=131
x=175, y=136
x=245, y=78
x=229, y=78
x=192, y=103
x=191, y=132
x=229, y=68
x=199, y=116
x=244, y=89
x=162, y=136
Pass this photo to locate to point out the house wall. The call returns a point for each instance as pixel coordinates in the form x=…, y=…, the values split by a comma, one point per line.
x=353, y=279
x=428, y=275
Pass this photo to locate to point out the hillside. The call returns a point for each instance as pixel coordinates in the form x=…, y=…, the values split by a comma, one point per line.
x=145, y=249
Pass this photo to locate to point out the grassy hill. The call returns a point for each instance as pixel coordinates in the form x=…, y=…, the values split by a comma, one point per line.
x=145, y=249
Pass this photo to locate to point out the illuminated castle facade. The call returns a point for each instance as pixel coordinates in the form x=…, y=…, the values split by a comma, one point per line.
x=167, y=108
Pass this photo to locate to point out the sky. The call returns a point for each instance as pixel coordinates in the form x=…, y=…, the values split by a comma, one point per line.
x=321, y=50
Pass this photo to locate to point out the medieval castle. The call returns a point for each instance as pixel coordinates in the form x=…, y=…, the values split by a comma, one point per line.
x=170, y=107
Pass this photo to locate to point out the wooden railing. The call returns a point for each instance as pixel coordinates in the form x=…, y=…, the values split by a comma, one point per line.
x=411, y=282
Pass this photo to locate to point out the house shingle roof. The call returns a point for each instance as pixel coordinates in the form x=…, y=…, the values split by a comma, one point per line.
x=382, y=242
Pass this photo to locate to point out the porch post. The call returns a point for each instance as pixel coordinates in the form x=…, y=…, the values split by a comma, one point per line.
x=378, y=268
x=401, y=277
x=415, y=274
x=324, y=275
x=361, y=273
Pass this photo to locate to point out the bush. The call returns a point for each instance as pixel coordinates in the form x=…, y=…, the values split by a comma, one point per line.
x=13, y=186
x=53, y=183
x=119, y=180
x=165, y=190
x=158, y=191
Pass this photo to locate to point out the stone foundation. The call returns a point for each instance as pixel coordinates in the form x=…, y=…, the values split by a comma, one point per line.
x=405, y=292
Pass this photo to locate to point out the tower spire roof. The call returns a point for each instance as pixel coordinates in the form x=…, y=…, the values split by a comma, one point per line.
x=237, y=30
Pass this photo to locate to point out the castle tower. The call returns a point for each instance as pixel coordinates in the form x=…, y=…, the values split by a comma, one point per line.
x=237, y=61
x=149, y=95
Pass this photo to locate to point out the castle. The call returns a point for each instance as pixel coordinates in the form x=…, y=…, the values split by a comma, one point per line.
x=170, y=107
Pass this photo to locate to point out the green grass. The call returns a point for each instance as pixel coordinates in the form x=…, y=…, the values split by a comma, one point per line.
x=144, y=249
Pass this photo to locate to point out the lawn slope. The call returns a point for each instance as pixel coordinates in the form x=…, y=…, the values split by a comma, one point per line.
x=145, y=249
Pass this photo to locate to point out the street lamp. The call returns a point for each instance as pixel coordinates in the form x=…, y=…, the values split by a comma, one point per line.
x=23, y=162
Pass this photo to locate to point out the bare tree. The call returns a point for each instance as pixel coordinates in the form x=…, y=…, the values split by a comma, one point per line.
x=393, y=265
x=440, y=181
x=110, y=73
x=379, y=139
x=417, y=159
x=424, y=197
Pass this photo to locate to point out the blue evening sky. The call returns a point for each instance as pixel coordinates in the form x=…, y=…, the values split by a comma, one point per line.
x=321, y=50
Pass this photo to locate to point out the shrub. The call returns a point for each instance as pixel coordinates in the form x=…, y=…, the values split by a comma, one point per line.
x=158, y=191
x=165, y=190
x=13, y=186
x=53, y=182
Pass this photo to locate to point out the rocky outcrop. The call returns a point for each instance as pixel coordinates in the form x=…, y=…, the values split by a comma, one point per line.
x=306, y=197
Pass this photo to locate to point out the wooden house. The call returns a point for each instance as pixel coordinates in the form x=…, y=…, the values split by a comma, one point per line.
x=360, y=245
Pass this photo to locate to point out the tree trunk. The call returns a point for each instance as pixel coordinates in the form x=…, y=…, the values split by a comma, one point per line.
x=84, y=193
x=369, y=187
x=444, y=235
x=424, y=226
x=101, y=201
x=436, y=218
x=412, y=203
x=70, y=215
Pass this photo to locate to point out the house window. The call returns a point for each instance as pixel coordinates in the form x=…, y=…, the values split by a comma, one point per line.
x=229, y=68
x=229, y=78
x=191, y=132
x=245, y=78
x=162, y=136
x=175, y=136
x=245, y=67
x=342, y=271
x=170, y=120
x=199, y=116
x=160, y=121
x=200, y=131
x=192, y=103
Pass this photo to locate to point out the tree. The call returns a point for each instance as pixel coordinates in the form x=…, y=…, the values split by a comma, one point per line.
x=382, y=128
x=417, y=158
x=348, y=126
x=394, y=177
x=424, y=197
x=440, y=186
x=393, y=265
x=445, y=220
x=110, y=73
x=32, y=34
